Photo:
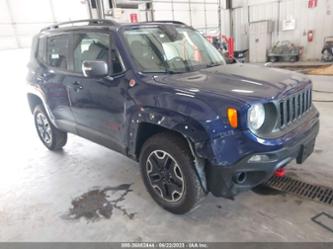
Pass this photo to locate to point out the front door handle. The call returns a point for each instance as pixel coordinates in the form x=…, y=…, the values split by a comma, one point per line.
x=77, y=86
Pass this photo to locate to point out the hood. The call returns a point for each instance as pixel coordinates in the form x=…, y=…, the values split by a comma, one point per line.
x=238, y=81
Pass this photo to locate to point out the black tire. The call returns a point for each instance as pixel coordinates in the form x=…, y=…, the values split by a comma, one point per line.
x=57, y=138
x=178, y=154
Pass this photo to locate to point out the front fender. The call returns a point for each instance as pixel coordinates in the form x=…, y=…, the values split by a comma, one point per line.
x=194, y=133
x=170, y=120
x=200, y=117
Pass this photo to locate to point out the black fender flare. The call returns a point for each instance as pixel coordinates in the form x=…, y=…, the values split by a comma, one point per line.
x=192, y=131
x=31, y=90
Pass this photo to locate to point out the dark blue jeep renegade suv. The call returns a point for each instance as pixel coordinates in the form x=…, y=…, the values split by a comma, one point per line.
x=161, y=94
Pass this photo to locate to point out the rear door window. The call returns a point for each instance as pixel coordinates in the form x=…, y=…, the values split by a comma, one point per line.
x=58, y=51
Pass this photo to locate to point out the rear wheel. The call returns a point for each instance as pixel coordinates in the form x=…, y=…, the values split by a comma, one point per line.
x=168, y=173
x=52, y=138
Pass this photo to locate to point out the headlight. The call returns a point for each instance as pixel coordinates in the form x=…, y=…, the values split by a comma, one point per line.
x=256, y=117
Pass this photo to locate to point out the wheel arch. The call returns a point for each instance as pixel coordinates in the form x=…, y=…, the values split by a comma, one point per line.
x=33, y=101
x=149, y=123
x=36, y=98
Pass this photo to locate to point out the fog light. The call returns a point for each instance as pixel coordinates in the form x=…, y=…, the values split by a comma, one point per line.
x=258, y=158
x=240, y=177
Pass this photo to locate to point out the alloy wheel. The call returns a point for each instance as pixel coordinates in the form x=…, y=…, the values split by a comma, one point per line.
x=44, y=128
x=165, y=175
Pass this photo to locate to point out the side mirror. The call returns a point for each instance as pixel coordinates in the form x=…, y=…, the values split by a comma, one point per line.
x=94, y=69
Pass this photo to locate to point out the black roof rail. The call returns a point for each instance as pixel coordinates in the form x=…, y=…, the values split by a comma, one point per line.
x=89, y=21
x=163, y=21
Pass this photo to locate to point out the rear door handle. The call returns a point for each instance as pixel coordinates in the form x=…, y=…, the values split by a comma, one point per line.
x=77, y=86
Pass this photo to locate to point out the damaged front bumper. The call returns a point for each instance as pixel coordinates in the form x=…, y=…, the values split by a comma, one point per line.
x=254, y=169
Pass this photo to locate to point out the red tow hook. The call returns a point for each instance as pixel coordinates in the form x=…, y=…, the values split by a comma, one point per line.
x=281, y=172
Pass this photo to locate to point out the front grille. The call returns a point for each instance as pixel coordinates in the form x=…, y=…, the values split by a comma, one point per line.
x=293, y=107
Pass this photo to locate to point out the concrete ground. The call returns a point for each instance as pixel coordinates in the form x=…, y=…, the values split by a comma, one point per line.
x=47, y=196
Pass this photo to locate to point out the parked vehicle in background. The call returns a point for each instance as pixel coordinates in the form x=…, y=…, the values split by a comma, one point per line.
x=222, y=47
x=161, y=94
x=327, y=51
x=242, y=56
x=284, y=51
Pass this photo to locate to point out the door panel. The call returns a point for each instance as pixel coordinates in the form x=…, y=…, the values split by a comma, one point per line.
x=55, y=79
x=98, y=104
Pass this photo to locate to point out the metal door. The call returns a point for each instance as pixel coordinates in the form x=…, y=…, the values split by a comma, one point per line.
x=260, y=40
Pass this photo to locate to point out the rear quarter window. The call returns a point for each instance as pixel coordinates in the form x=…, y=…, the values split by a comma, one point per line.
x=41, y=50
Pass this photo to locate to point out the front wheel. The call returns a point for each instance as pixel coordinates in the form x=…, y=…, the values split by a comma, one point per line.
x=168, y=173
x=52, y=138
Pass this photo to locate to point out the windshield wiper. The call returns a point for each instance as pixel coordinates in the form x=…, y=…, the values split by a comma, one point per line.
x=174, y=72
x=166, y=71
x=213, y=64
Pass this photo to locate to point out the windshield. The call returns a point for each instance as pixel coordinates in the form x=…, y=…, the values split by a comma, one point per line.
x=167, y=48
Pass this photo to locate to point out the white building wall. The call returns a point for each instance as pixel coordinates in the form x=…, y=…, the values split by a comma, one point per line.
x=318, y=19
x=200, y=14
x=20, y=20
x=240, y=19
x=203, y=15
